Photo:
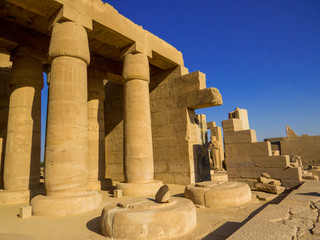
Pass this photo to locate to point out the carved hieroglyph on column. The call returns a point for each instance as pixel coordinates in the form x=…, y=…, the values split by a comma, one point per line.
x=96, y=134
x=66, y=175
x=138, y=153
x=22, y=156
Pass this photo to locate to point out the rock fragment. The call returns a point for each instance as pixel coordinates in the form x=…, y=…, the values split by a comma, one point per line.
x=163, y=194
x=269, y=188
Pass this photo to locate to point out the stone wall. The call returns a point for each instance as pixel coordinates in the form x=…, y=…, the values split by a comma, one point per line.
x=114, y=131
x=307, y=147
x=179, y=147
x=247, y=159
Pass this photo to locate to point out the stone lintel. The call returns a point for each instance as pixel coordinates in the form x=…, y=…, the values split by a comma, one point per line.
x=105, y=64
x=25, y=37
x=203, y=98
x=135, y=48
x=43, y=8
x=67, y=13
x=114, y=78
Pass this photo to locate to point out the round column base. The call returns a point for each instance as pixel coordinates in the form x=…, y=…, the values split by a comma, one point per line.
x=140, y=189
x=63, y=206
x=143, y=218
x=212, y=194
x=14, y=197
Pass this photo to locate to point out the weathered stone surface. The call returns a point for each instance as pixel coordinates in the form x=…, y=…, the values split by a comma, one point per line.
x=163, y=194
x=213, y=194
x=145, y=219
x=244, y=136
x=293, y=218
x=265, y=175
x=269, y=181
x=269, y=188
x=248, y=149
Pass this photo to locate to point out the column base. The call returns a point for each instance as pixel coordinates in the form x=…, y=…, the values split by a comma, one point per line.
x=142, y=218
x=140, y=189
x=99, y=185
x=14, y=197
x=63, y=206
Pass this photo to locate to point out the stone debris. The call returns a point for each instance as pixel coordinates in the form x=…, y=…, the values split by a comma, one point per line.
x=25, y=212
x=269, y=181
x=163, y=194
x=297, y=217
x=269, y=188
x=265, y=175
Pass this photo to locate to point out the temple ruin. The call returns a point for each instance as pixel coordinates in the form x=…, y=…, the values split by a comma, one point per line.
x=126, y=155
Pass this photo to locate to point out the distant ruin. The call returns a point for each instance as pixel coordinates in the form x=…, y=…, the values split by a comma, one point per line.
x=247, y=159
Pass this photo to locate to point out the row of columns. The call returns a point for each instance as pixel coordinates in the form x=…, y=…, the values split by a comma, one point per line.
x=75, y=127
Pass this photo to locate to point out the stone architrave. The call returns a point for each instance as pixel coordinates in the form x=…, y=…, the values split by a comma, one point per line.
x=22, y=156
x=96, y=134
x=66, y=174
x=138, y=153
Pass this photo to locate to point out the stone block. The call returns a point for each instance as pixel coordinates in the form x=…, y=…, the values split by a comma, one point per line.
x=25, y=212
x=240, y=114
x=269, y=188
x=272, y=162
x=211, y=125
x=244, y=136
x=232, y=125
x=292, y=174
x=248, y=149
x=117, y=193
x=269, y=181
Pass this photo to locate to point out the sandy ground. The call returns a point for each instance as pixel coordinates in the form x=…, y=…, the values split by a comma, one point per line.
x=213, y=223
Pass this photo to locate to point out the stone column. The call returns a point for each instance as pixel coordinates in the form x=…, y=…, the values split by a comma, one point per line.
x=5, y=69
x=96, y=134
x=22, y=156
x=66, y=175
x=138, y=153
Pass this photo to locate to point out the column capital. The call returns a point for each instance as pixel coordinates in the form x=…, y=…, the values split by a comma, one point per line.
x=23, y=51
x=136, y=66
x=69, y=39
x=26, y=70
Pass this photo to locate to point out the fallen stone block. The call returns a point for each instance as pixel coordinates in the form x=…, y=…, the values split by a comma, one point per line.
x=269, y=181
x=265, y=175
x=269, y=188
x=163, y=194
x=25, y=212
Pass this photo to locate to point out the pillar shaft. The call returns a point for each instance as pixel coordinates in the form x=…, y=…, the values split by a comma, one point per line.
x=67, y=136
x=138, y=153
x=22, y=157
x=5, y=69
x=96, y=134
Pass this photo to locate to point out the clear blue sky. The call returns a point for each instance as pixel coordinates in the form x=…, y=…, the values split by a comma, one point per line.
x=263, y=55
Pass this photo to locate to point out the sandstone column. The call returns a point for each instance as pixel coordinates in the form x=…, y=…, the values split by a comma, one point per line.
x=96, y=134
x=5, y=69
x=66, y=175
x=22, y=156
x=138, y=153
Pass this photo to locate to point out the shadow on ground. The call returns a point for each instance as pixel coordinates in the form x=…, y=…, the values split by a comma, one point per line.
x=227, y=229
x=94, y=225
